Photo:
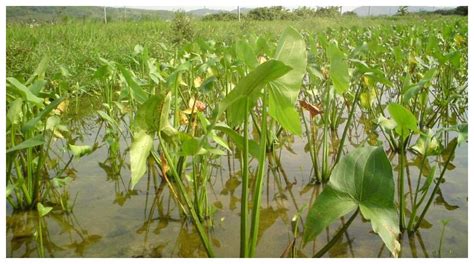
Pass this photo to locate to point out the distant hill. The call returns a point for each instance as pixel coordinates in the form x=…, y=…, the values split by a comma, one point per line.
x=203, y=12
x=390, y=10
x=57, y=13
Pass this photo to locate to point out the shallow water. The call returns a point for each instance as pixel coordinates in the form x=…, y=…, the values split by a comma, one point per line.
x=109, y=220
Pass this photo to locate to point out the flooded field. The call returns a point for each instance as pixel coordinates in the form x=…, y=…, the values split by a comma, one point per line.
x=148, y=223
x=347, y=141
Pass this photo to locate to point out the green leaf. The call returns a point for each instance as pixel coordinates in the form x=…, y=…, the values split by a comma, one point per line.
x=32, y=122
x=29, y=143
x=40, y=70
x=164, y=122
x=137, y=92
x=245, y=53
x=385, y=123
x=15, y=112
x=148, y=114
x=42, y=210
x=247, y=88
x=361, y=179
x=79, y=151
x=291, y=50
x=142, y=144
x=238, y=139
x=405, y=120
x=190, y=145
x=24, y=92
x=109, y=119
x=427, y=144
x=339, y=71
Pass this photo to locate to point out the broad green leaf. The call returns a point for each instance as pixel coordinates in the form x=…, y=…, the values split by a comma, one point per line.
x=245, y=53
x=43, y=210
x=39, y=71
x=405, y=120
x=427, y=144
x=339, y=71
x=410, y=93
x=152, y=117
x=31, y=123
x=79, y=151
x=164, y=122
x=52, y=122
x=148, y=114
x=23, y=91
x=291, y=50
x=137, y=92
x=109, y=120
x=238, y=139
x=15, y=112
x=37, y=86
x=361, y=179
x=367, y=98
x=247, y=88
x=29, y=143
x=142, y=144
x=189, y=145
x=385, y=123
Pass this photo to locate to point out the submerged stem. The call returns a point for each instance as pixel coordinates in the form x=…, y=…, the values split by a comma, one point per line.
x=336, y=237
x=259, y=181
x=430, y=200
x=245, y=183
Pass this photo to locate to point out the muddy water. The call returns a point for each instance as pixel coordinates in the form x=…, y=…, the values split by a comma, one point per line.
x=109, y=220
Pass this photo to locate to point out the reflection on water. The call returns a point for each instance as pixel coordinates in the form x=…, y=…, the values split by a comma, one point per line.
x=110, y=220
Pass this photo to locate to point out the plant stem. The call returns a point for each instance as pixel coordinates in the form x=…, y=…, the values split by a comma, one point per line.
x=257, y=194
x=245, y=183
x=401, y=184
x=346, y=128
x=415, y=204
x=336, y=237
x=182, y=189
x=430, y=200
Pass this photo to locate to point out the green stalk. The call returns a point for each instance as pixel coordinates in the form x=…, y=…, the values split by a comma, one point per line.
x=415, y=204
x=310, y=136
x=430, y=200
x=346, y=128
x=189, y=204
x=324, y=171
x=336, y=237
x=257, y=195
x=245, y=186
x=40, y=234
x=401, y=183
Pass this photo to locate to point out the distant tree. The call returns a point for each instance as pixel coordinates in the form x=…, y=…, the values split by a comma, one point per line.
x=270, y=13
x=181, y=27
x=304, y=12
x=461, y=10
x=221, y=16
x=349, y=13
x=332, y=11
x=402, y=11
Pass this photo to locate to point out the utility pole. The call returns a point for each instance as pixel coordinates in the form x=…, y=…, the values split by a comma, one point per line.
x=238, y=10
x=369, y=10
x=105, y=15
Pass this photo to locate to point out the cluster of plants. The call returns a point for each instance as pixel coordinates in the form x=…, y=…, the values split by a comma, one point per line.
x=206, y=99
